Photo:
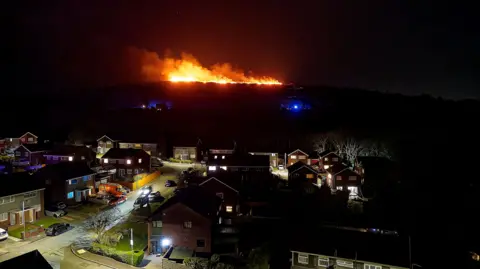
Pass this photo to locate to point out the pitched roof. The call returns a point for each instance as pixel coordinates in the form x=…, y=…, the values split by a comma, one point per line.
x=66, y=170
x=118, y=153
x=298, y=165
x=296, y=151
x=226, y=179
x=32, y=259
x=133, y=136
x=14, y=134
x=337, y=168
x=16, y=183
x=28, y=133
x=240, y=160
x=63, y=150
x=375, y=248
x=196, y=198
x=37, y=147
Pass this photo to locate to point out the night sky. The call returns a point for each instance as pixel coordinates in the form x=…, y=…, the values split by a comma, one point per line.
x=411, y=47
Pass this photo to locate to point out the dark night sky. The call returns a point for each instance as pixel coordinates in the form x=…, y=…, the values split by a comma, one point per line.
x=410, y=47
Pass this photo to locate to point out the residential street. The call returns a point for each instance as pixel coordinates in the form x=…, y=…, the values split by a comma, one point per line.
x=53, y=247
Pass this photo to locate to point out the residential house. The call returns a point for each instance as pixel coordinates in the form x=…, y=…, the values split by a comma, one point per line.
x=20, y=192
x=186, y=220
x=150, y=148
x=187, y=149
x=31, y=154
x=273, y=156
x=238, y=163
x=297, y=156
x=226, y=187
x=105, y=143
x=216, y=146
x=329, y=158
x=340, y=177
x=300, y=173
x=69, y=153
x=331, y=248
x=68, y=182
x=127, y=162
x=9, y=142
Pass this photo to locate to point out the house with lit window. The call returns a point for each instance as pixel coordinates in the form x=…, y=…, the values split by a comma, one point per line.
x=273, y=156
x=30, y=154
x=20, y=195
x=300, y=174
x=340, y=177
x=128, y=162
x=186, y=220
x=11, y=142
x=244, y=163
x=104, y=144
x=69, y=153
x=298, y=156
x=328, y=158
x=331, y=248
x=68, y=182
x=226, y=187
x=216, y=146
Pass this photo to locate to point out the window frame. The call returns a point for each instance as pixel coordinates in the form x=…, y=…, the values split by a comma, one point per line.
x=371, y=266
x=68, y=195
x=187, y=225
x=300, y=257
x=324, y=259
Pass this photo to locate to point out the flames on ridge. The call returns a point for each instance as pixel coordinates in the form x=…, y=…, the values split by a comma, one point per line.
x=188, y=69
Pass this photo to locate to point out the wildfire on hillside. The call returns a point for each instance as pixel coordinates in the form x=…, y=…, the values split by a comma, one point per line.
x=188, y=69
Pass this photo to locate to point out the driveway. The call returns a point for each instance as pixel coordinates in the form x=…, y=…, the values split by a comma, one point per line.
x=53, y=247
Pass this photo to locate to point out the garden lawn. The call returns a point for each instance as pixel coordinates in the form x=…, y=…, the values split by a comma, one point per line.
x=140, y=236
x=17, y=232
x=47, y=221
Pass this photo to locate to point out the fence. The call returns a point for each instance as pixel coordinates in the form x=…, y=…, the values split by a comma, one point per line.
x=32, y=232
x=139, y=183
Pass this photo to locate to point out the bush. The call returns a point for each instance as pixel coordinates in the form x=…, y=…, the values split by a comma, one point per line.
x=118, y=255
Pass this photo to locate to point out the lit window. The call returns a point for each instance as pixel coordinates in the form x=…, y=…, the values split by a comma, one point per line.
x=339, y=188
x=369, y=266
x=70, y=195
x=30, y=139
x=339, y=177
x=353, y=178
x=310, y=176
x=83, y=158
x=323, y=262
x=212, y=168
x=223, y=167
x=326, y=166
x=223, y=156
x=273, y=154
x=129, y=161
x=105, y=160
x=302, y=157
x=326, y=159
x=293, y=157
x=215, y=157
x=329, y=175
x=187, y=225
x=229, y=208
x=70, y=158
x=72, y=181
x=303, y=259
x=139, y=160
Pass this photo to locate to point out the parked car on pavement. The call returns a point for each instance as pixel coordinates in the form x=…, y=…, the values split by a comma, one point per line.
x=3, y=234
x=170, y=183
x=54, y=212
x=141, y=201
x=155, y=197
x=58, y=205
x=117, y=200
x=58, y=228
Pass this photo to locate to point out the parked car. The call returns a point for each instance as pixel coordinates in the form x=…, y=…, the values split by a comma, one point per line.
x=57, y=228
x=117, y=200
x=58, y=205
x=147, y=190
x=170, y=183
x=155, y=197
x=54, y=212
x=140, y=202
x=3, y=234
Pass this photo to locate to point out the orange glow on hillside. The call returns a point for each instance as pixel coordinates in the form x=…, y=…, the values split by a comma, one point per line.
x=188, y=69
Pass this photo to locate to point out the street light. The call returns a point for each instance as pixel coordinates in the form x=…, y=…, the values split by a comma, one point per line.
x=131, y=242
x=23, y=218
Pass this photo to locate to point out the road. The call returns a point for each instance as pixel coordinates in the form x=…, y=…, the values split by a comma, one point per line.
x=53, y=247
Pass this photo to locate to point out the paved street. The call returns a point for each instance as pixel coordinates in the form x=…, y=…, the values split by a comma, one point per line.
x=53, y=247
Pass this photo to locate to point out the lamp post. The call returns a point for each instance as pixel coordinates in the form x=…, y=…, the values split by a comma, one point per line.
x=131, y=242
x=23, y=218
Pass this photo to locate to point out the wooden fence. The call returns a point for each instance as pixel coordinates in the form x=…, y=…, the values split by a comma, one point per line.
x=139, y=183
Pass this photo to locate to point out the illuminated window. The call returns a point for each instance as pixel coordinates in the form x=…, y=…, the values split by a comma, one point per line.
x=139, y=160
x=83, y=158
x=326, y=159
x=73, y=181
x=273, y=154
x=326, y=166
x=70, y=195
x=353, y=178
x=129, y=161
x=187, y=225
x=302, y=157
x=293, y=157
x=212, y=168
x=70, y=158
x=229, y=208
x=215, y=157
x=223, y=156
x=138, y=145
x=223, y=167
x=105, y=160
x=310, y=176
x=339, y=188
x=302, y=258
x=339, y=177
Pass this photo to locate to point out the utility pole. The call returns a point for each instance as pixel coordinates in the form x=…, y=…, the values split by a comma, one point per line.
x=131, y=242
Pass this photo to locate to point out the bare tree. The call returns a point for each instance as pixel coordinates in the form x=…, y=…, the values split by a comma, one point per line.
x=351, y=149
x=100, y=223
x=375, y=149
x=320, y=143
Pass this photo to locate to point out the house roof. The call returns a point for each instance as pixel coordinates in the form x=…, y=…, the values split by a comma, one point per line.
x=64, y=150
x=375, y=248
x=66, y=170
x=337, y=168
x=14, y=135
x=118, y=153
x=37, y=147
x=225, y=178
x=298, y=165
x=28, y=133
x=327, y=153
x=105, y=136
x=16, y=183
x=32, y=259
x=240, y=160
x=296, y=151
x=195, y=198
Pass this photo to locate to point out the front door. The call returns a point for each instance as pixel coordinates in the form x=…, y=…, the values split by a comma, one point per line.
x=12, y=219
x=78, y=196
